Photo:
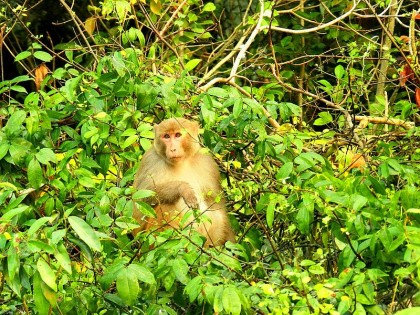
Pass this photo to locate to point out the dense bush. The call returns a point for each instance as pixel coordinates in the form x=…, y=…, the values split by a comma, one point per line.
x=325, y=205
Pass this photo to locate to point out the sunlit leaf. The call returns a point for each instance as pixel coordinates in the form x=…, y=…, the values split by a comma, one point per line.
x=47, y=273
x=43, y=56
x=85, y=232
x=35, y=177
x=127, y=286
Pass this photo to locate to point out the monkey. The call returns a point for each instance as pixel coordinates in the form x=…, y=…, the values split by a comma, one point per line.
x=183, y=178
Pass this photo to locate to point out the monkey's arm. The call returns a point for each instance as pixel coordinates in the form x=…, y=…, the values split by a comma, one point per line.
x=170, y=192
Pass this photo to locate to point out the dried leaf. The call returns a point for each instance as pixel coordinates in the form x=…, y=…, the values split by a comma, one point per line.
x=90, y=25
x=406, y=74
x=40, y=73
x=405, y=38
x=156, y=7
x=357, y=161
x=418, y=97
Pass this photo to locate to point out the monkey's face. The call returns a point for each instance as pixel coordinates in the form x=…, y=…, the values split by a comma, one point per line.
x=172, y=145
x=176, y=140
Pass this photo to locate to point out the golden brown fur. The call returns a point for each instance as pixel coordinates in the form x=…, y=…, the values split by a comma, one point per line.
x=183, y=178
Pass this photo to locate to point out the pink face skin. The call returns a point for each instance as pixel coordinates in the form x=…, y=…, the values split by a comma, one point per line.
x=173, y=143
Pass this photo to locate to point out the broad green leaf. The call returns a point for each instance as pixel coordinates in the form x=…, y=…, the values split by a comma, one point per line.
x=63, y=258
x=218, y=92
x=111, y=273
x=13, y=262
x=141, y=194
x=193, y=288
x=180, y=268
x=37, y=225
x=218, y=300
x=231, y=301
x=192, y=64
x=305, y=214
x=35, y=177
x=316, y=270
x=238, y=106
x=270, y=213
x=409, y=311
x=37, y=246
x=4, y=148
x=49, y=294
x=209, y=7
x=47, y=273
x=142, y=273
x=41, y=303
x=21, y=78
x=14, y=212
x=358, y=202
x=43, y=56
x=23, y=55
x=324, y=118
x=339, y=72
x=129, y=141
x=15, y=121
x=127, y=286
x=285, y=171
x=46, y=155
x=85, y=232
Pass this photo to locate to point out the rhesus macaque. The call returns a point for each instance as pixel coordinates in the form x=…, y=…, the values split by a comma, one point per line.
x=183, y=179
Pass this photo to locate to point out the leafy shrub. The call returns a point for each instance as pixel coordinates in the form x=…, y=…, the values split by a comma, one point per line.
x=315, y=235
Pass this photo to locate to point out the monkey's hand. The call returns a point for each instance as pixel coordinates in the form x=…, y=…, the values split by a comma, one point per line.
x=188, y=194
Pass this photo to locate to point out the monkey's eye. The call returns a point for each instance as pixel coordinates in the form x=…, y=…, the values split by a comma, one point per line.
x=166, y=136
x=178, y=135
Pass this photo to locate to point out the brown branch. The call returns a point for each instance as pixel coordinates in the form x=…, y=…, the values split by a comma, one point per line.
x=386, y=121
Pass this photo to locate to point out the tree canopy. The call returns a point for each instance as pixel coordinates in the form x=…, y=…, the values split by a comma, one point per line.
x=310, y=108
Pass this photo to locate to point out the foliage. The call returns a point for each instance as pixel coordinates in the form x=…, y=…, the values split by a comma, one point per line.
x=327, y=212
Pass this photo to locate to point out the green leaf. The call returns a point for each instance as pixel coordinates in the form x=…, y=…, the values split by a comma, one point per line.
x=193, y=288
x=305, y=214
x=63, y=258
x=218, y=92
x=339, y=72
x=15, y=121
x=218, y=300
x=231, y=301
x=129, y=141
x=142, y=273
x=209, y=7
x=285, y=171
x=46, y=155
x=85, y=232
x=37, y=225
x=358, y=201
x=324, y=118
x=192, y=64
x=13, y=262
x=180, y=268
x=42, y=55
x=41, y=303
x=23, y=55
x=270, y=213
x=409, y=311
x=4, y=148
x=35, y=177
x=238, y=106
x=47, y=273
x=127, y=286
x=14, y=212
